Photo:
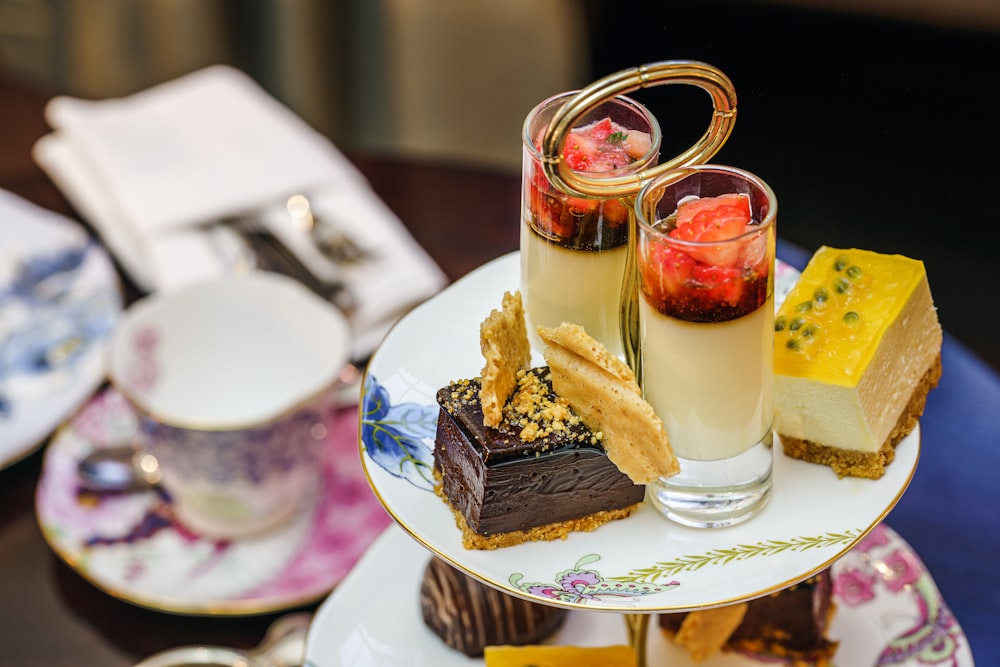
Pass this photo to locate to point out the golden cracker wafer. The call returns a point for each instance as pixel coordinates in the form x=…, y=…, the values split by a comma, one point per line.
x=603, y=391
x=503, y=338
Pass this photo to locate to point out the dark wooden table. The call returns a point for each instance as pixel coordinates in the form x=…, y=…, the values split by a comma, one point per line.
x=50, y=616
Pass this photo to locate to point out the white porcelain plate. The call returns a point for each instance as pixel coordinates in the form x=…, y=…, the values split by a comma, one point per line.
x=59, y=297
x=642, y=563
x=889, y=612
x=132, y=547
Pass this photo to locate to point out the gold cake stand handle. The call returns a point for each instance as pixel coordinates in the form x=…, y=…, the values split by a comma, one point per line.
x=637, y=626
x=582, y=184
x=688, y=72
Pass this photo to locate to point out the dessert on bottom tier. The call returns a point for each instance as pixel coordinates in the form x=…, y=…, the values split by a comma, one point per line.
x=790, y=625
x=857, y=348
x=560, y=656
x=468, y=615
x=505, y=490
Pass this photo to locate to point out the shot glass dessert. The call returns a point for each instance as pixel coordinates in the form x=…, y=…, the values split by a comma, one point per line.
x=573, y=248
x=705, y=264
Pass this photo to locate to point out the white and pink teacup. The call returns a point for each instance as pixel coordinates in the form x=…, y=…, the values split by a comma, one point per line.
x=232, y=380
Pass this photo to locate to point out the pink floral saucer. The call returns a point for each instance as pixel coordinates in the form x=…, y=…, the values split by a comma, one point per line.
x=131, y=546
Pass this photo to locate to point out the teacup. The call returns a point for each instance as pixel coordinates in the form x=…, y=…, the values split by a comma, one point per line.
x=232, y=380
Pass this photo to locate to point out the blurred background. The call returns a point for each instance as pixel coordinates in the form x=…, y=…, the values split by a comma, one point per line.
x=872, y=119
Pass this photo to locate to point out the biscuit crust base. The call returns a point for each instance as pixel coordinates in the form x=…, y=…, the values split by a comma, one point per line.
x=870, y=465
x=552, y=531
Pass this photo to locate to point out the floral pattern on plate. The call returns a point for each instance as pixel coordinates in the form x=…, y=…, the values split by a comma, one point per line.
x=59, y=299
x=579, y=585
x=131, y=546
x=884, y=578
x=395, y=436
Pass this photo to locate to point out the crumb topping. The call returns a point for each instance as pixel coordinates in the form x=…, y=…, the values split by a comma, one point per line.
x=539, y=412
x=534, y=414
x=503, y=339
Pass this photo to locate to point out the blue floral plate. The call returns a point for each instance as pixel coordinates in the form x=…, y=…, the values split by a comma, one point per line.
x=59, y=298
x=642, y=563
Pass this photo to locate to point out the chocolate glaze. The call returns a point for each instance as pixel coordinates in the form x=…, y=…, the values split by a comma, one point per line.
x=501, y=483
x=469, y=616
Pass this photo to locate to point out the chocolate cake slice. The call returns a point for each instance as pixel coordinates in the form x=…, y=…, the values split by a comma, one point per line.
x=790, y=624
x=468, y=615
x=540, y=474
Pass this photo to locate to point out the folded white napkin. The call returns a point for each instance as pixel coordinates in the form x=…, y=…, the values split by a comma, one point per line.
x=151, y=172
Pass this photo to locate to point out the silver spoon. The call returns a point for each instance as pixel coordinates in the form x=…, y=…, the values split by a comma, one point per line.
x=118, y=468
x=333, y=243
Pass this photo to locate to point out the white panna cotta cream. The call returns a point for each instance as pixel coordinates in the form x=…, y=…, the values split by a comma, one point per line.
x=710, y=383
x=559, y=284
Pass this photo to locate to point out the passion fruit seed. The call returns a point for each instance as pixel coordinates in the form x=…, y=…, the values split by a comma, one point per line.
x=804, y=333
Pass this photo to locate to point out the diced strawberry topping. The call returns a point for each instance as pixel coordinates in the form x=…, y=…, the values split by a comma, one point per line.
x=597, y=147
x=689, y=208
x=579, y=205
x=602, y=129
x=615, y=212
x=722, y=284
x=637, y=144
x=666, y=270
x=712, y=218
x=575, y=155
x=550, y=215
x=713, y=280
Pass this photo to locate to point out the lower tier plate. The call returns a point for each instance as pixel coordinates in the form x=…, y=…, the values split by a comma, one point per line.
x=888, y=612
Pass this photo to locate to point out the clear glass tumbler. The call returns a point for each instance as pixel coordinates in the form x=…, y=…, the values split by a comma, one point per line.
x=574, y=248
x=705, y=269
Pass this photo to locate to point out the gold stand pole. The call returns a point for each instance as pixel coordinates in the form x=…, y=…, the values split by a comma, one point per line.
x=637, y=626
x=581, y=184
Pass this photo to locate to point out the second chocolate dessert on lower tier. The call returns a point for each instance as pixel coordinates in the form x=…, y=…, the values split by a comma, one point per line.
x=468, y=615
x=790, y=625
x=539, y=475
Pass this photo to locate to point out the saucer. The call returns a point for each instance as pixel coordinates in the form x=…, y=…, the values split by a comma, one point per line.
x=131, y=546
x=59, y=297
x=889, y=612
